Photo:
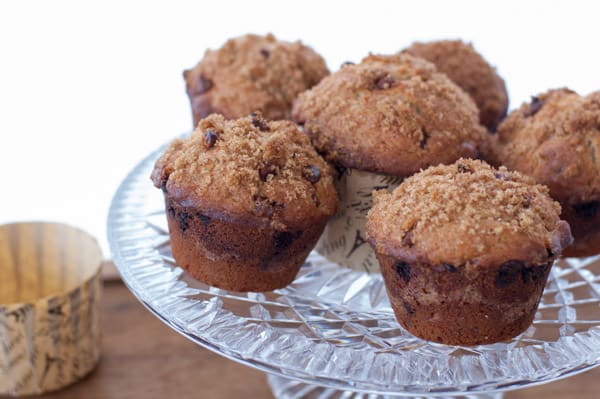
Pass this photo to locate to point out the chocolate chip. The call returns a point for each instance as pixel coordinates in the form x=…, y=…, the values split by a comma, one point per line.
x=403, y=270
x=533, y=273
x=340, y=170
x=315, y=199
x=171, y=209
x=204, y=85
x=184, y=220
x=408, y=307
x=347, y=63
x=259, y=122
x=549, y=252
x=311, y=173
x=502, y=176
x=508, y=273
x=462, y=168
x=265, y=53
x=203, y=218
x=384, y=82
x=587, y=210
x=210, y=138
x=283, y=239
x=535, y=105
x=263, y=206
x=424, y=138
x=407, y=239
x=267, y=170
x=450, y=268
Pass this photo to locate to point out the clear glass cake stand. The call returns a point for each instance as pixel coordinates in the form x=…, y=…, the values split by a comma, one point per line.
x=332, y=333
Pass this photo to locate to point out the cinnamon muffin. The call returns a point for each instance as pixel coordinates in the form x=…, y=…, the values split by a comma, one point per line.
x=378, y=122
x=468, y=69
x=465, y=251
x=252, y=73
x=246, y=201
x=556, y=140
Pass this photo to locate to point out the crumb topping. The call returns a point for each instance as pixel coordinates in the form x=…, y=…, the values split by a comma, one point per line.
x=251, y=73
x=390, y=114
x=249, y=169
x=460, y=212
x=468, y=69
x=555, y=138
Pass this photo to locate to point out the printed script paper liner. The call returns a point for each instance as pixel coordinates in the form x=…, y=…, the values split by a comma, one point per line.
x=343, y=240
x=50, y=293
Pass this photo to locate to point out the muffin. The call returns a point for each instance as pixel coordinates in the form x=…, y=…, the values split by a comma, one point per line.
x=379, y=121
x=246, y=201
x=465, y=251
x=556, y=140
x=468, y=69
x=252, y=73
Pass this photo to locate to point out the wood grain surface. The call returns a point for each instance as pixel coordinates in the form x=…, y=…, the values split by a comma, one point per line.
x=143, y=358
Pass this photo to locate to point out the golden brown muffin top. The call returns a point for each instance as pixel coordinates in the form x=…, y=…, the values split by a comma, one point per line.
x=249, y=170
x=253, y=73
x=468, y=213
x=555, y=139
x=468, y=69
x=390, y=114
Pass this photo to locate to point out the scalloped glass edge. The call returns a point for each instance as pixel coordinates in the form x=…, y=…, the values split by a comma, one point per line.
x=289, y=346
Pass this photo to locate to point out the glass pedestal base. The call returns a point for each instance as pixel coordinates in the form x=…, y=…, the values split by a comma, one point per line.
x=284, y=388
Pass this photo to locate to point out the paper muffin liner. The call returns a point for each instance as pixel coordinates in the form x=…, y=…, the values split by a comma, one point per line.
x=343, y=240
x=50, y=292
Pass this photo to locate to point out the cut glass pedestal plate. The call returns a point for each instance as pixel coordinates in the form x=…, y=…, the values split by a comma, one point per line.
x=332, y=333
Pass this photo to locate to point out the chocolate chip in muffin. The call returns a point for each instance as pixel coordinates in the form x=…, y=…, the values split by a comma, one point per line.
x=184, y=220
x=424, y=138
x=203, y=218
x=283, y=239
x=407, y=239
x=462, y=168
x=450, y=268
x=587, y=209
x=267, y=170
x=210, y=138
x=384, y=82
x=311, y=173
x=408, y=307
x=535, y=105
x=403, y=270
x=534, y=273
x=508, y=273
x=265, y=53
x=171, y=208
x=259, y=122
x=204, y=85
x=263, y=206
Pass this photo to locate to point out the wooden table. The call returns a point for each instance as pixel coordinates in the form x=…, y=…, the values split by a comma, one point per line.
x=143, y=358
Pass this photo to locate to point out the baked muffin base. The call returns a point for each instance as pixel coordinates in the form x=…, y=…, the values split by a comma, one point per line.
x=464, y=305
x=234, y=256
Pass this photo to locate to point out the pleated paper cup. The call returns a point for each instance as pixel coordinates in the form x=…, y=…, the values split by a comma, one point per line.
x=343, y=240
x=50, y=293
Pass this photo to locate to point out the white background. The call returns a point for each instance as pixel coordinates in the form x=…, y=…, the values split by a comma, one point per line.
x=87, y=90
